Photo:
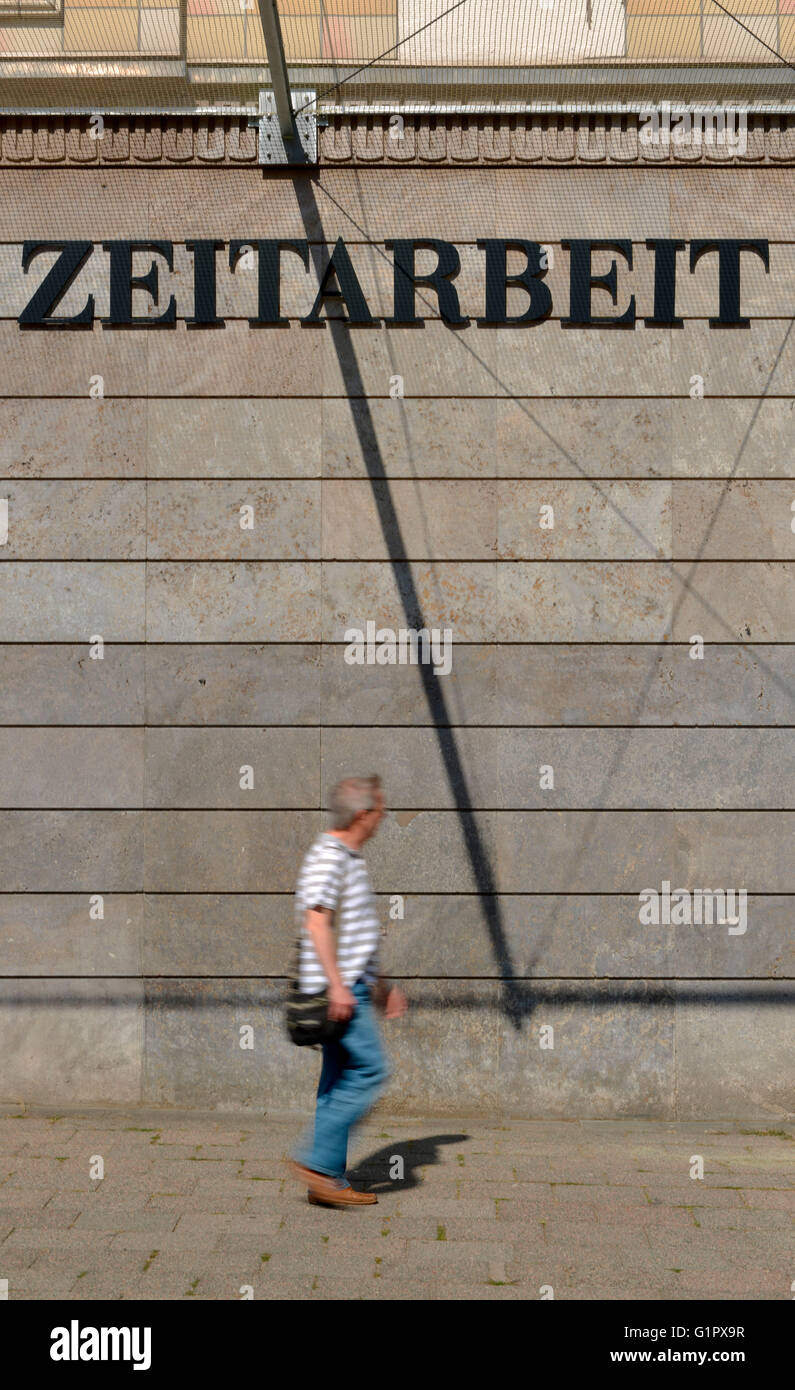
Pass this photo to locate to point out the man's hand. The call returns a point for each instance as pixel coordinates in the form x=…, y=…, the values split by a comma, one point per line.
x=379, y=992
x=341, y=1002
x=396, y=1003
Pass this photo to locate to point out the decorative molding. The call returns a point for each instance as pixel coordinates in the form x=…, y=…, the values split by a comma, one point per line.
x=429, y=142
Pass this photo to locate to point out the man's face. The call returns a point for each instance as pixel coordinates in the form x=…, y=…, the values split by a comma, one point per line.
x=372, y=819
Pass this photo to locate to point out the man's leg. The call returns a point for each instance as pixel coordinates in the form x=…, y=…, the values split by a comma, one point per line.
x=345, y=1095
x=309, y=1153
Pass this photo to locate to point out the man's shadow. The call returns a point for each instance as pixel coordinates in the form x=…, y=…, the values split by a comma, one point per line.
x=375, y=1170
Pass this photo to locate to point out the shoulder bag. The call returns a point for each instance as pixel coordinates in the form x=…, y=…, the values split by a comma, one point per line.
x=306, y=1015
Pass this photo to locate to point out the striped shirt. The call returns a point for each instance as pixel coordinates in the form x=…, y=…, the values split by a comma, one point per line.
x=335, y=877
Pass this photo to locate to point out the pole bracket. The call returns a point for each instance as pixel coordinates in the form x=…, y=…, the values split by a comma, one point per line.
x=275, y=147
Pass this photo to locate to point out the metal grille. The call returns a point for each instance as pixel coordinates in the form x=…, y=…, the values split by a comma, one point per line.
x=399, y=55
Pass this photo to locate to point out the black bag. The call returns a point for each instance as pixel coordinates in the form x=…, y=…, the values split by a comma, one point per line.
x=307, y=1017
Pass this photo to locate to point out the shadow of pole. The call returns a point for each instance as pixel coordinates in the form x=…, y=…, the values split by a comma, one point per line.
x=477, y=852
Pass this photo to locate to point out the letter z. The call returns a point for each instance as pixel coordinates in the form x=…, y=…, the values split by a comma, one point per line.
x=37, y=312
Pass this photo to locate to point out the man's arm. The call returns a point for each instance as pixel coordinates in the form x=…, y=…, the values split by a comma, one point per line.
x=341, y=1002
x=389, y=998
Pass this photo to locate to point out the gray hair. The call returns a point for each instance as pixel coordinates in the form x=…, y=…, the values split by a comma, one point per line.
x=352, y=796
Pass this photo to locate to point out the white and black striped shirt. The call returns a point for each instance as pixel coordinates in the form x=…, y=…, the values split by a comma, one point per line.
x=335, y=877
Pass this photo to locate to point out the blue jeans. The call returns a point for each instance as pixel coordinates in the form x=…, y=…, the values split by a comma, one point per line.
x=354, y=1072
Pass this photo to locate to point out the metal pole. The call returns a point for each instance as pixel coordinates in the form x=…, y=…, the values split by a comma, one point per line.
x=280, y=82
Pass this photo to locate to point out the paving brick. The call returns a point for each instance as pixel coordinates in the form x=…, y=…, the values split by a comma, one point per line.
x=42, y=1283
x=741, y=1219
x=43, y=1219
x=22, y=1198
x=695, y=1194
x=459, y=1254
x=115, y=1219
x=454, y=1228
x=42, y=1240
x=228, y=1224
x=757, y=1199
x=418, y=1204
x=177, y=1205
x=164, y=1240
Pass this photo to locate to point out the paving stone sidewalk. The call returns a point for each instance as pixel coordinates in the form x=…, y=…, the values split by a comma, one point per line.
x=198, y=1206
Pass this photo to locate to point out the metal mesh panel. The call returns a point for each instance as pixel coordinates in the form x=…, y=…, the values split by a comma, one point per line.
x=398, y=55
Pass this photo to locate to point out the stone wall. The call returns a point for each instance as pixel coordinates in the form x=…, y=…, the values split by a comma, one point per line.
x=572, y=650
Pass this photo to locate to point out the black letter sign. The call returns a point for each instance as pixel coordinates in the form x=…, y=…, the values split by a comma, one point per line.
x=123, y=282
x=36, y=313
x=498, y=280
x=406, y=280
x=582, y=281
x=729, y=275
x=268, y=275
x=204, y=315
x=349, y=290
x=665, y=284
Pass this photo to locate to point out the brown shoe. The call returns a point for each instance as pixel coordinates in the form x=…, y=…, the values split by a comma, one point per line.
x=325, y=1191
x=343, y=1197
x=302, y=1174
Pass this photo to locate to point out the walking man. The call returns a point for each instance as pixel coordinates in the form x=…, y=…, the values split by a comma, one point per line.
x=340, y=936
